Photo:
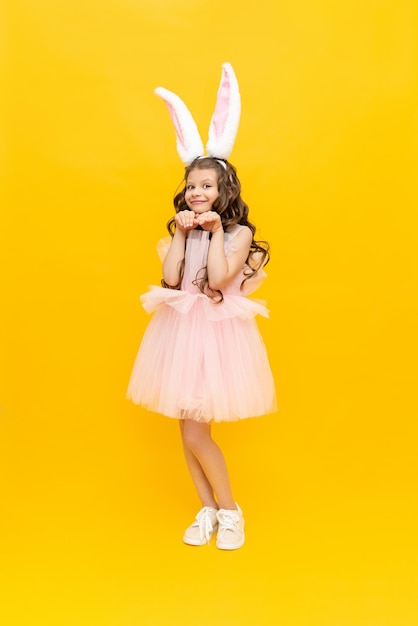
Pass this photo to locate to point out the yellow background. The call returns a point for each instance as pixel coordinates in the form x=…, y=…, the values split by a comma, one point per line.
x=95, y=495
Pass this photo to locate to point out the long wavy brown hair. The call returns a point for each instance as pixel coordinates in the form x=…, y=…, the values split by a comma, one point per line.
x=232, y=210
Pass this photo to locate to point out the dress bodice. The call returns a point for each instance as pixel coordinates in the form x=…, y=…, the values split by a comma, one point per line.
x=196, y=255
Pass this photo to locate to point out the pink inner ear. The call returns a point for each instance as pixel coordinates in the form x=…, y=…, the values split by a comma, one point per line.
x=176, y=122
x=220, y=114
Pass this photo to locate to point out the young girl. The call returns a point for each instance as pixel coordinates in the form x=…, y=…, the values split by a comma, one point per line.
x=202, y=358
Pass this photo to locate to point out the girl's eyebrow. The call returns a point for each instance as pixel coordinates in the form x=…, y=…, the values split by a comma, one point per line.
x=205, y=180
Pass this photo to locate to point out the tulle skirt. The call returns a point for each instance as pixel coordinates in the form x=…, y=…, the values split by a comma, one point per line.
x=200, y=360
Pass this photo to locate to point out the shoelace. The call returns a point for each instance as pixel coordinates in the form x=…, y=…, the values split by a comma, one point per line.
x=228, y=521
x=205, y=524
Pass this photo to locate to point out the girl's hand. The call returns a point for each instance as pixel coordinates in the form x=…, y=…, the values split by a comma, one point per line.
x=210, y=221
x=185, y=220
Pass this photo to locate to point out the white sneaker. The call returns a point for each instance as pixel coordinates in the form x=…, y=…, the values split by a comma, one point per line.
x=201, y=531
x=231, y=529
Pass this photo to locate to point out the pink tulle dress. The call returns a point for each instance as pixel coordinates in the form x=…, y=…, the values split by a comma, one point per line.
x=199, y=359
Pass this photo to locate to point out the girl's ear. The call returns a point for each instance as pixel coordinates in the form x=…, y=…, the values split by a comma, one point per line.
x=225, y=120
x=189, y=143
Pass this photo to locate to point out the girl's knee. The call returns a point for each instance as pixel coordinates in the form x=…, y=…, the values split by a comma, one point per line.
x=195, y=434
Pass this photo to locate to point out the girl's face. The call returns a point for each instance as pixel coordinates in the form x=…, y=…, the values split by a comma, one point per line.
x=201, y=190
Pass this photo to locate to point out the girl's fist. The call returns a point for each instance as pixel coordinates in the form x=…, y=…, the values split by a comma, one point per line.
x=210, y=221
x=185, y=220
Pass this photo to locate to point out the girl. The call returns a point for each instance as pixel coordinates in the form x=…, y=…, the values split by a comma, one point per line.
x=202, y=358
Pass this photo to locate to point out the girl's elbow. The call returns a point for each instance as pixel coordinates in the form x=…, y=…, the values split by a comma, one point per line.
x=171, y=279
x=216, y=285
x=170, y=282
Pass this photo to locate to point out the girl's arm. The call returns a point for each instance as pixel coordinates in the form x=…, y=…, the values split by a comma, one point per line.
x=185, y=221
x=222, y=269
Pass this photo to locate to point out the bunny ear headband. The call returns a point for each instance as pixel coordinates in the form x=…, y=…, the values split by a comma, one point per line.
x=223, y=126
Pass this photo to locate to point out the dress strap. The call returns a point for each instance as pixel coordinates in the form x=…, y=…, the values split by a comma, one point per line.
x=233, y=232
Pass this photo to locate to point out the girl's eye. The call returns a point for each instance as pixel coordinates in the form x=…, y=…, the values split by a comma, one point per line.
x=189, y=187
x=207, y=186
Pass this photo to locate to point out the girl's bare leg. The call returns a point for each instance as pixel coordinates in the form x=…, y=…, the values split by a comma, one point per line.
x=201, y=483
x=206, y=465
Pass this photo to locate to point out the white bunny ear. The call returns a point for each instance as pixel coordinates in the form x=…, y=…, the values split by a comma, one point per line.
x=189, y=143
x=225, y=120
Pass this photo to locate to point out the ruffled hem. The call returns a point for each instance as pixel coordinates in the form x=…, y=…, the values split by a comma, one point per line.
x=192, y=367
x=183, y=302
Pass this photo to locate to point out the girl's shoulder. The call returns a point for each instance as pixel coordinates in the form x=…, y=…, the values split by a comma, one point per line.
x=163, y=246
x=232, y=244
x=233, y=231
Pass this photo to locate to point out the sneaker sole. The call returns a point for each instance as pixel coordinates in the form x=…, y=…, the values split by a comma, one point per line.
x=234, y=546
x=198, y=542
x=192, y=542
